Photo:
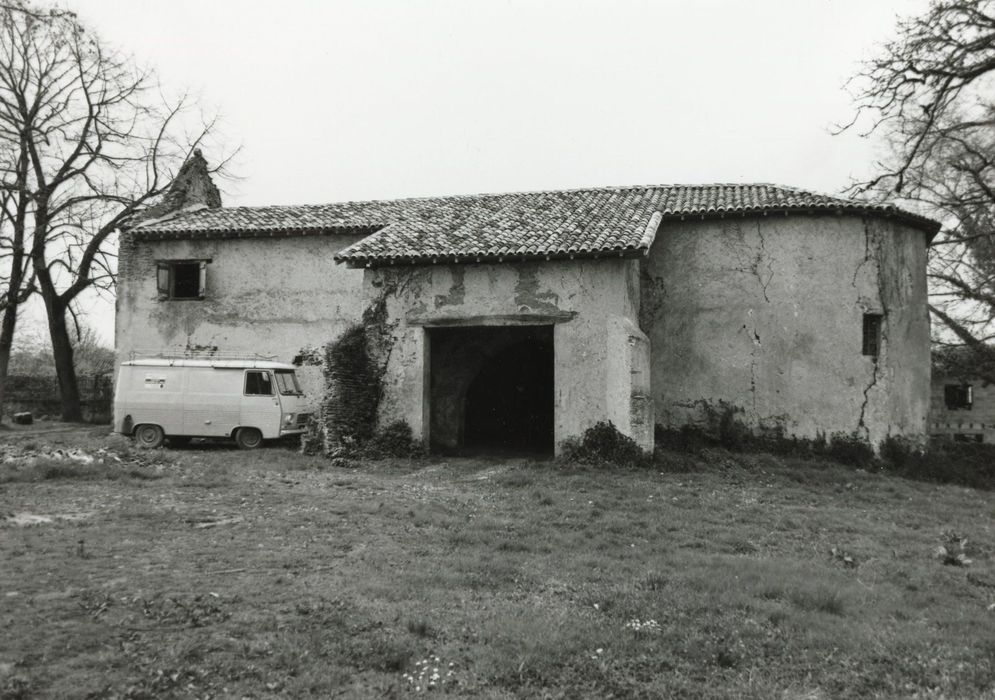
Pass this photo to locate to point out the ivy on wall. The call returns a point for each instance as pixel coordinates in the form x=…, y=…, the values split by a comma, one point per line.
x=352, y=390
x=354, y=366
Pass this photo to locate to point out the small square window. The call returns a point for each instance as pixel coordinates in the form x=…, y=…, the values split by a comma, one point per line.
x=872, y=334
x=958, y=397
x=181, y=279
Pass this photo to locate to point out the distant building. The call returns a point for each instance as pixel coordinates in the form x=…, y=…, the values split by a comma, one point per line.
x=525, y=318
x=962, y=405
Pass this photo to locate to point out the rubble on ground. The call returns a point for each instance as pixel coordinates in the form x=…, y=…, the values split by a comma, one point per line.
x=15, y=456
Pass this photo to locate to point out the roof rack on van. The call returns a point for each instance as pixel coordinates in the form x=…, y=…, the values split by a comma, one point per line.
x=197, y=354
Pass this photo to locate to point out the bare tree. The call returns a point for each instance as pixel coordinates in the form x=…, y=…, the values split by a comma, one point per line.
x=931, y=93
x=100, y=143
x=15, y=284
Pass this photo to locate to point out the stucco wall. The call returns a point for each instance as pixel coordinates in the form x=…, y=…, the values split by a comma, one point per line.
x=265, y=295
x=762, y=314
x=765, y=314
x=589, y=300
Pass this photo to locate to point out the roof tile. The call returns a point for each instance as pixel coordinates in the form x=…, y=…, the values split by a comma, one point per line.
x=609, y=220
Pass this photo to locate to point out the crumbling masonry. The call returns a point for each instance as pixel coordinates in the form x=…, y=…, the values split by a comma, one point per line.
x=641, y=306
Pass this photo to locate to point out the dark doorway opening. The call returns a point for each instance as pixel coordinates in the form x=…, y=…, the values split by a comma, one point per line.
x=509, y=405
x=492, y=389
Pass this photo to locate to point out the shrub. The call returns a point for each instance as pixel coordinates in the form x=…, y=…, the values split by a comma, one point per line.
x=393, y=440
x=964, y=463
x=603, y=445
x=945, y=462
x=723, y=429
x=898, y=452
x=687, y=438
x=850, y=449
x=352, y=389
x=732, y=434
x=721, y=426
x=666, y=461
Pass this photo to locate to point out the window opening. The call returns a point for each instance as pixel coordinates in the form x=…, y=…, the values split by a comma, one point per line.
x=872, y=334
x=258, y=384
x=958, y=397
x=181, y=279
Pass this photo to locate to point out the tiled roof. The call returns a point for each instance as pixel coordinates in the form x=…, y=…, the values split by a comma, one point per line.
x=609, y=221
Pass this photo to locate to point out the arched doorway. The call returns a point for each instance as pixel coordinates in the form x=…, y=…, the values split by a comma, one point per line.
x=492, y=389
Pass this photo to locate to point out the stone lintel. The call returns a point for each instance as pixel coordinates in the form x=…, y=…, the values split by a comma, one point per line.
x=531, y=319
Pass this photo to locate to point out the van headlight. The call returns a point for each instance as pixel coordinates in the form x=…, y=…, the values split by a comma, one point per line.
x=288, y=418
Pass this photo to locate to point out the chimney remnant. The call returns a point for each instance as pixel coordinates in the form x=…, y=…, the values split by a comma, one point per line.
x=191, y=186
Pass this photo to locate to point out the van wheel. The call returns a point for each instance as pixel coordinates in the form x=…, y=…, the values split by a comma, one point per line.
x=248, y=438
x=149, y=436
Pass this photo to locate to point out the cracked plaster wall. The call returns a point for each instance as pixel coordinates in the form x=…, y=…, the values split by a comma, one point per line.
x=596, y=302
x=766, y=314
x=272, y=296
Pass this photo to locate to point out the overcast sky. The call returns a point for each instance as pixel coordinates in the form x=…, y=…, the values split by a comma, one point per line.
x=340, y=100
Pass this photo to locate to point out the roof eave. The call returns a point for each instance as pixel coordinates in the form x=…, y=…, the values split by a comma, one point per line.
x=357, y=260
x=922, y=223
x=285, y=232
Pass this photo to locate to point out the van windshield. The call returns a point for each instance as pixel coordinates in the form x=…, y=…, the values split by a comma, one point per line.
x=286, y=381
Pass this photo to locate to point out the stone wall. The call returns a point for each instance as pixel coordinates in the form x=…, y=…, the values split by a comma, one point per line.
x=765, y=314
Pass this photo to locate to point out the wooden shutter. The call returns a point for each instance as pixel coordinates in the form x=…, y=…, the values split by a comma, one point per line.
x=162, y=279
x=201, y=292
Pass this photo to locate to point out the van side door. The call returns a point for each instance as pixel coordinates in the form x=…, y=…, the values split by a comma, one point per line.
x=156, y=396
x=260, y=403
x=213, y=401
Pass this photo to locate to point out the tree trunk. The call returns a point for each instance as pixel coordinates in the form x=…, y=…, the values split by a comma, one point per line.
x=62, y=352
x=6, y=345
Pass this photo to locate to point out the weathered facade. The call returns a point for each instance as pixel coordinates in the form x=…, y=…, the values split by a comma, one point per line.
x=275, y=300
x=599, y=360
x=766, y=315
x=529, y=317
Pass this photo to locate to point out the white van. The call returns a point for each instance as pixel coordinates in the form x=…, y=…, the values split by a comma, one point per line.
x=179, y=399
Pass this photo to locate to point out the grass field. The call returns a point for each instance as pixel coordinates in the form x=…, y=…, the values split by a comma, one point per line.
x=218, y=573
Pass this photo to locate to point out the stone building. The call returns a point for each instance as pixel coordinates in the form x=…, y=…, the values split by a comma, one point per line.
x=962, y=400
x=962, y=409
x=525, y=318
